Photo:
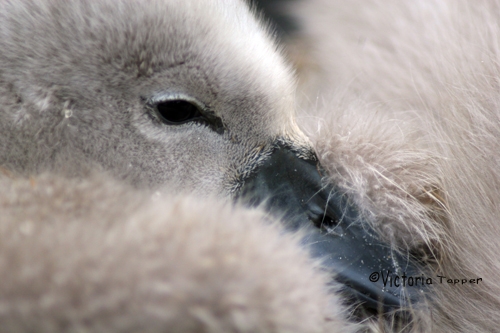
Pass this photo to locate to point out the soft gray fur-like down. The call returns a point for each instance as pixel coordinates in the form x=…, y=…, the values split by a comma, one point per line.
x=112, y=221
x=400, y=99
x=97, y=256
x=131, y=249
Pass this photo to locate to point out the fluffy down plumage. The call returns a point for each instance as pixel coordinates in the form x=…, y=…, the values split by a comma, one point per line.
x=94, y=255
x=399, y=99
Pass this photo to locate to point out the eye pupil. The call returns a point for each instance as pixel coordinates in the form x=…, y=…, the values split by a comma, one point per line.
x=178, y=111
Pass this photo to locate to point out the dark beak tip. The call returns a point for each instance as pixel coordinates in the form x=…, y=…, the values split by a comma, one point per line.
x=292, y=188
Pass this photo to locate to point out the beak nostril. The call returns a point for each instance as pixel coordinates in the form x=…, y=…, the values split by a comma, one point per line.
x=330, y=225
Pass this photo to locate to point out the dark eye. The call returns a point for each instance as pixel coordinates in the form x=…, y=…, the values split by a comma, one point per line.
x=177, y=111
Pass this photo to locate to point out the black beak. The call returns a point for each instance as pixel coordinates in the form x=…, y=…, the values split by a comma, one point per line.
x=292, y=188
